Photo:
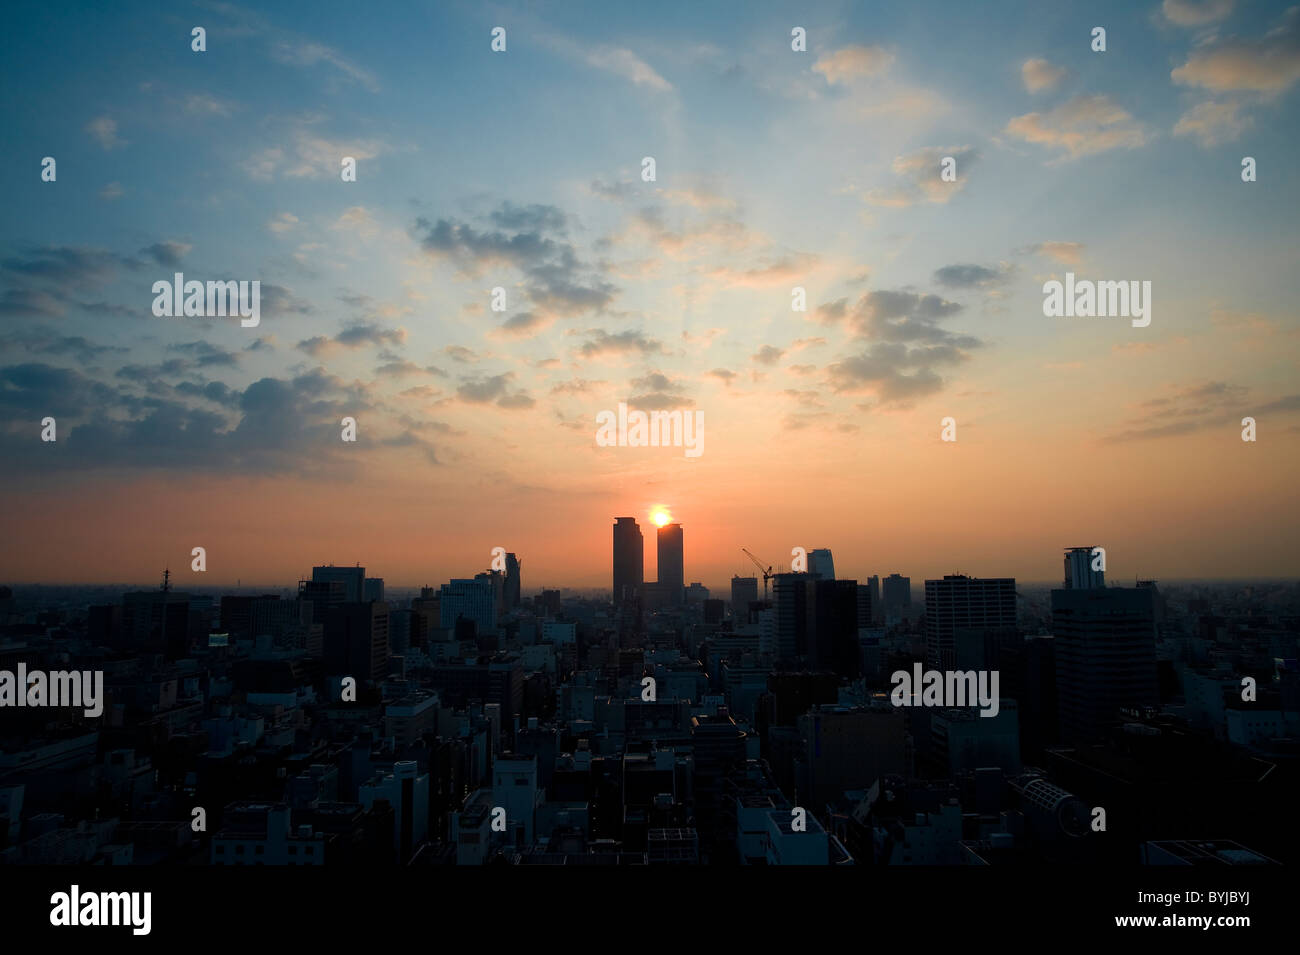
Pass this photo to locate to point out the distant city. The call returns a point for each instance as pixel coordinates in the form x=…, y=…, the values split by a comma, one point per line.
x=799, y=719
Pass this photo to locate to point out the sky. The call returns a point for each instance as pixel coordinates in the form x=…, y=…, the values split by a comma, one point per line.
x=523, y=170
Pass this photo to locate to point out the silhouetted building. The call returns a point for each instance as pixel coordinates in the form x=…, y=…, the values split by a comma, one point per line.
x=744, y=591
x=513, y=582
x=352, y=578
x=629, y=560
x=1079, y=573
x=1105, y=656
x=896, y=596
x=821, y=563
x=959, y=607
x=356, y=640
x=671, y=571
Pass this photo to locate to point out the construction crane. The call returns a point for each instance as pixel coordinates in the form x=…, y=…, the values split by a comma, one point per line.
x=767, y=574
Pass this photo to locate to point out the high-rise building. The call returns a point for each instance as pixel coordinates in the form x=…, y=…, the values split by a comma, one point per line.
x=877, y=609
x=744, y=591
x=629, y=560
x=356, y=640
x=513, y=582
x=497, y=580
x=671, y=570
x=470, y=600
x=794, y=604
x=965, y=608
x=896, y=596
x=1105, y=649
x=372, y=588
x=353, y=579
x=1079, y=572
x=820, y=562
x=407, y=791
x=835, y=645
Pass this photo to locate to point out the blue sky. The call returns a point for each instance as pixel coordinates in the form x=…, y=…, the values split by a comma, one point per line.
x=775, y=168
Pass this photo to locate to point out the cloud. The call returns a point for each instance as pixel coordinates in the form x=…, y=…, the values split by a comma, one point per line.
x=559, y=282
x=273, y=426
x=1082, y=126
x=972, y=276
x=723, y=375
x=278, y=300
x=282, y=223
x=202, y=104
x=534, y=218
x=1067, y=253
x=1268, y=65
x=460, y=353
x=659, y=392
x=778, y=273
x=901, y=316
x=616, y=60
x=1039, y=75
x=522, y=325
x=852, y=63
x=1212, y=404
x=111, y=191
x=205, y=354
x=623, y=62
x=920, y=173
x=768, y=355
x=1195, y=13
x=167, y=254
x=352, y=337
x=29, y=301
x=602, y=343
x=894, y=373
x=103, y=129
x=1212, y=123
x=308, y=155
x=308, y=54
x=494, y=389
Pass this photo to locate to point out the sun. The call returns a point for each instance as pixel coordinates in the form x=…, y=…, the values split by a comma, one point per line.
x=660, y=516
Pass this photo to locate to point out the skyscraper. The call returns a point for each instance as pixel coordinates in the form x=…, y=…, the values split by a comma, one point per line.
x=820, y=562
x=896, y=596
x=513, y=582
x=959, y=607
x=356, y=640
x=744, y=591
x=1079, y=573
x=353, y=578
x=671, y=572
x=470, y=600
x=1105, y=656
x=794, y=603
x=629, y=560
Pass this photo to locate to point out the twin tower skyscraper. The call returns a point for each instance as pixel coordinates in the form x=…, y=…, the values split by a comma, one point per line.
x=629, y=565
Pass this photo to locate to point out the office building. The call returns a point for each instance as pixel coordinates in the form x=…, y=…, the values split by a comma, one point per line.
x=671, y=570
x=965, y=608
x=1105, y=650
x=1079, y=572
x=629, y=560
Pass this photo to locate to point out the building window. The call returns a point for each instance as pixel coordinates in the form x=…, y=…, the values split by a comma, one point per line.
x=293, y=850
x=239, y=849
x=260, y=850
